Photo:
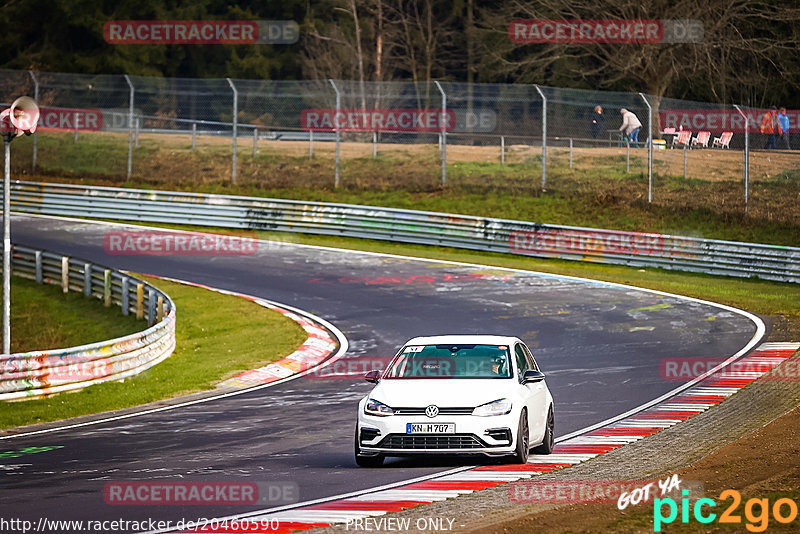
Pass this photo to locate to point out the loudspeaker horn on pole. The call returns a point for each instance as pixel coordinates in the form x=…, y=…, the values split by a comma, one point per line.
x=21, y=118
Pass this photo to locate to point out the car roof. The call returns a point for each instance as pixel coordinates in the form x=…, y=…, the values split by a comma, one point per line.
x=466, y=339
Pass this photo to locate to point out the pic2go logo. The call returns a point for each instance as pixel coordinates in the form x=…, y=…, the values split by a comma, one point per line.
x=756, y=511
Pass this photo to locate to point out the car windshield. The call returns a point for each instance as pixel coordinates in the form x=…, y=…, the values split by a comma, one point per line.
x=451, y=361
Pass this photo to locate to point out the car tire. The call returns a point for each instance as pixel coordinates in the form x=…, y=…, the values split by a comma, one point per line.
x=363, y=460
x=548, y=442
x=523, y=440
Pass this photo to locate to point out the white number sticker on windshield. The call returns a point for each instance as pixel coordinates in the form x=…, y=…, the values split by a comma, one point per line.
x=413, y=348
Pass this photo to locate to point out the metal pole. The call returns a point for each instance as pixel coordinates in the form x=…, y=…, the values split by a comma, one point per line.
x=136, y=141
x=685, y=160
x=36, y=99
x=628, y=154
x=194, y=135
x=374, y=144
x=338, y=133
x=544, y=137
x=75, y=118
x=649, y=148
x=570, y=152
x=502, y=149
x=255, y=142
x=746, y=156
x=7, y=246
x=444, y=122
x=235, y=126
x=130, y=127
x=311, y=144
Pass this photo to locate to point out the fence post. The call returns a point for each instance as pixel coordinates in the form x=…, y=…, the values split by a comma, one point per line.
x=159, y=308
x=75, y=118
x=126, y=305
x=544, y=137
x=130, y=125
x=627, y=154
x=139, y=300
x=311, y=144
x=151, y=307
x=374, y=144
x=570, y=152
x=37, y=256
x=235, y=126
x=255, y=142
x=745, y=156
x=444, y=122
x=36, y=99
x=194, y=135
x=65, y=273
x=649, y=148
x=338, y=133
x=107, y=288
x=502, y=150
x=685, y=160
x=87, y=279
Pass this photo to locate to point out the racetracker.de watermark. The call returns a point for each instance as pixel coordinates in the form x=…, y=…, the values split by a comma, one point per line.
x=606, y=31
x=164, y=243
x=201, y=32
x=352, y=369
x=686, y=369
x=186, y=493
x=591, y=491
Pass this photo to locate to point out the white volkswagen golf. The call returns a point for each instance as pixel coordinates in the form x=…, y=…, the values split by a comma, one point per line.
x=470, y=394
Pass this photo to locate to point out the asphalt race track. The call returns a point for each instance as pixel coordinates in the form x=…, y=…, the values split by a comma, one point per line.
x=600, y=345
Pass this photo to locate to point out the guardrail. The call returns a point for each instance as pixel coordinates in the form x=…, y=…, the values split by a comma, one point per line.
x=717, y=257
x=39, y=373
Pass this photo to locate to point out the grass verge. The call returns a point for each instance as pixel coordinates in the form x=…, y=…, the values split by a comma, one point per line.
x=44, y=317
x=210, y=348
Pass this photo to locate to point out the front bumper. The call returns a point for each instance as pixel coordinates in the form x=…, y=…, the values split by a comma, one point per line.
x=490, y=436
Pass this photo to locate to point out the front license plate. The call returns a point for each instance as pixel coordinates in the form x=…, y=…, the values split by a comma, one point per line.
x=430, y=428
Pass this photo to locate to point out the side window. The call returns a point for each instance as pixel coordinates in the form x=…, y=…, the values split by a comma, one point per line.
x=522, y=361
x=531, y=359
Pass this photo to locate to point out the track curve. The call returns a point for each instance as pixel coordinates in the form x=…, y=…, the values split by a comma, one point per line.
x=600, y=344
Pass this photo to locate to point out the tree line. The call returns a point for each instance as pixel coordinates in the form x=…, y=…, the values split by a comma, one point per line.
x=747, y=55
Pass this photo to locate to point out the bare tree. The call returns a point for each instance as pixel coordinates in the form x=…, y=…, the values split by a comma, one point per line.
x=742, y=43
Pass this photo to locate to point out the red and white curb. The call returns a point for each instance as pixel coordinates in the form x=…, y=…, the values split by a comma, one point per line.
x=318, y=346
x=699, y=397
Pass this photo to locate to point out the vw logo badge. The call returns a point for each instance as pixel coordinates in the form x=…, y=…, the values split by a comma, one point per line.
x=432, y=410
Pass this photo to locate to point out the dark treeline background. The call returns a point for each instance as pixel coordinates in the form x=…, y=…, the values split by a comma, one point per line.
x=749, y=53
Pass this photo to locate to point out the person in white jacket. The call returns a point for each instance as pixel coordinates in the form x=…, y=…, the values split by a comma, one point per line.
x=631, y=126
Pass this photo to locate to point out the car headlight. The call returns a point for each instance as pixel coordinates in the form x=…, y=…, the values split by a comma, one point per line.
x=374, y=407
x=498, y=407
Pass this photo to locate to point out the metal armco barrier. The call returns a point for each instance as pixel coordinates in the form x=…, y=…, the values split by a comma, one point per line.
x=39, y=373
x=717, y=257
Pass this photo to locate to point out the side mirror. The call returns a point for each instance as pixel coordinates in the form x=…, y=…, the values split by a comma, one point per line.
x=373, y=376
x=532, y=376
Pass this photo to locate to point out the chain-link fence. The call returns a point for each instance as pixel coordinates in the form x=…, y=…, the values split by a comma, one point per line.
x=545, y=128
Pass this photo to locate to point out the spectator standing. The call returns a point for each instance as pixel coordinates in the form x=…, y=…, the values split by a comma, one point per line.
x=598, y=122
x=630, y=126
x=770, y=126
x=783, y=122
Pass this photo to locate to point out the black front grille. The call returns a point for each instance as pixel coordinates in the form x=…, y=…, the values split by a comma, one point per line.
x=442, y=411
x=431, y=441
